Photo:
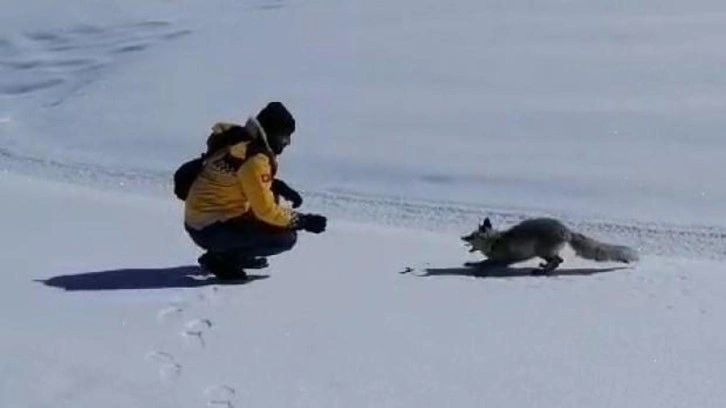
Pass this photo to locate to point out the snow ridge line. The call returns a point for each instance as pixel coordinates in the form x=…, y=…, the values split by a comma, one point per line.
x=663, y=239
x=456, y=218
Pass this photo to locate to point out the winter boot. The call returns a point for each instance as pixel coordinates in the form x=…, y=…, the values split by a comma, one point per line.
x=253, y=263
x=221, y=267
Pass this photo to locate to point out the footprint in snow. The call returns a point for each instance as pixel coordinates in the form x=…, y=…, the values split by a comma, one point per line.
x=170, y=313
x=169, y=369
x=194, y=331
x=210, y=296
x=220, y=396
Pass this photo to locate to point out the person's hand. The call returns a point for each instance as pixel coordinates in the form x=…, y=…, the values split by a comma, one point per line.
x=312, y=223
x=280, y=188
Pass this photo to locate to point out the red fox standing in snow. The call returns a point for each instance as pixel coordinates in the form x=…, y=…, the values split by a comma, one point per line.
x=543, y=238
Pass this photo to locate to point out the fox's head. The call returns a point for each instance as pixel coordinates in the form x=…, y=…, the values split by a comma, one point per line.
x=482, y=238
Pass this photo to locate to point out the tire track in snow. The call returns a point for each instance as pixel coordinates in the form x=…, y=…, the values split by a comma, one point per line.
x=57, y=64
x=689, y=241
x=649, y=238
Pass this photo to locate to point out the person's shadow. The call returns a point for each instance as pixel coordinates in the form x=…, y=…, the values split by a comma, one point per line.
x=190, y=276
x=513, y=272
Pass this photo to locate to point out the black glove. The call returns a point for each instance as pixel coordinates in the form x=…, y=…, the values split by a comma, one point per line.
x=280, y=188
x=312, y=223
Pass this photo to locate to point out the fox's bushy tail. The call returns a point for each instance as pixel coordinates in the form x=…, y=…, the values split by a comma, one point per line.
x=592, y=249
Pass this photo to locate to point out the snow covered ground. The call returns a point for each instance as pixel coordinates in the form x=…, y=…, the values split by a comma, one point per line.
x=600, y=109
x=337, y=323
x=415, y=119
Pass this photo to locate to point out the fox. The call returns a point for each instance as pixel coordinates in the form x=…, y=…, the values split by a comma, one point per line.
x=543, y=238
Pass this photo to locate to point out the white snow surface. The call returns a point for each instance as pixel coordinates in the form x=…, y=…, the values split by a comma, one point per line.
x=102, y=306
x=602, y=109
x=415, y=120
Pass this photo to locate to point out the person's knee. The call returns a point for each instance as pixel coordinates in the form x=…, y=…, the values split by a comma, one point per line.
x=274, y=244
x=288, y=240
x=196, y=236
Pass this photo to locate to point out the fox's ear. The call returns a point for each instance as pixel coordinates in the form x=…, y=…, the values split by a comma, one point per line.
x=486, y=225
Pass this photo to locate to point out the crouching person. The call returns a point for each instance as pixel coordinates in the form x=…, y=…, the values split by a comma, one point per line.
x=232, y=208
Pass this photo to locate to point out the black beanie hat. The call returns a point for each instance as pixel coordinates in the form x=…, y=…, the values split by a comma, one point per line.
x=275, y=119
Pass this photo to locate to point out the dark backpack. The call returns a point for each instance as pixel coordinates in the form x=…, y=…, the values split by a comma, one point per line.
x=185, y=175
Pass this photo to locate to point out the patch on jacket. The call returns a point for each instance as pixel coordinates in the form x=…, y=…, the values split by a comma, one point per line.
x=228, y=163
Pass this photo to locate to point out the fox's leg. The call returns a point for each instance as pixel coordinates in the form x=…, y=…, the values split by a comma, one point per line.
x=551, y=263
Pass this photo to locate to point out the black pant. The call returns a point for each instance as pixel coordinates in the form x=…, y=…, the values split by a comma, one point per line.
x=243, y=238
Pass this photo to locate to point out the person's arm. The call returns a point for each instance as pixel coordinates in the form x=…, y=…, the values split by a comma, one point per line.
x=256, y=178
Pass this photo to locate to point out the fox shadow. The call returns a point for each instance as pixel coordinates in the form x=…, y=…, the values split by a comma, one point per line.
x=189, y=276
x=514, y=272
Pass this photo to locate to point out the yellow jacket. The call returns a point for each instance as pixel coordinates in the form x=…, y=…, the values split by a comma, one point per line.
x=236, y=181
